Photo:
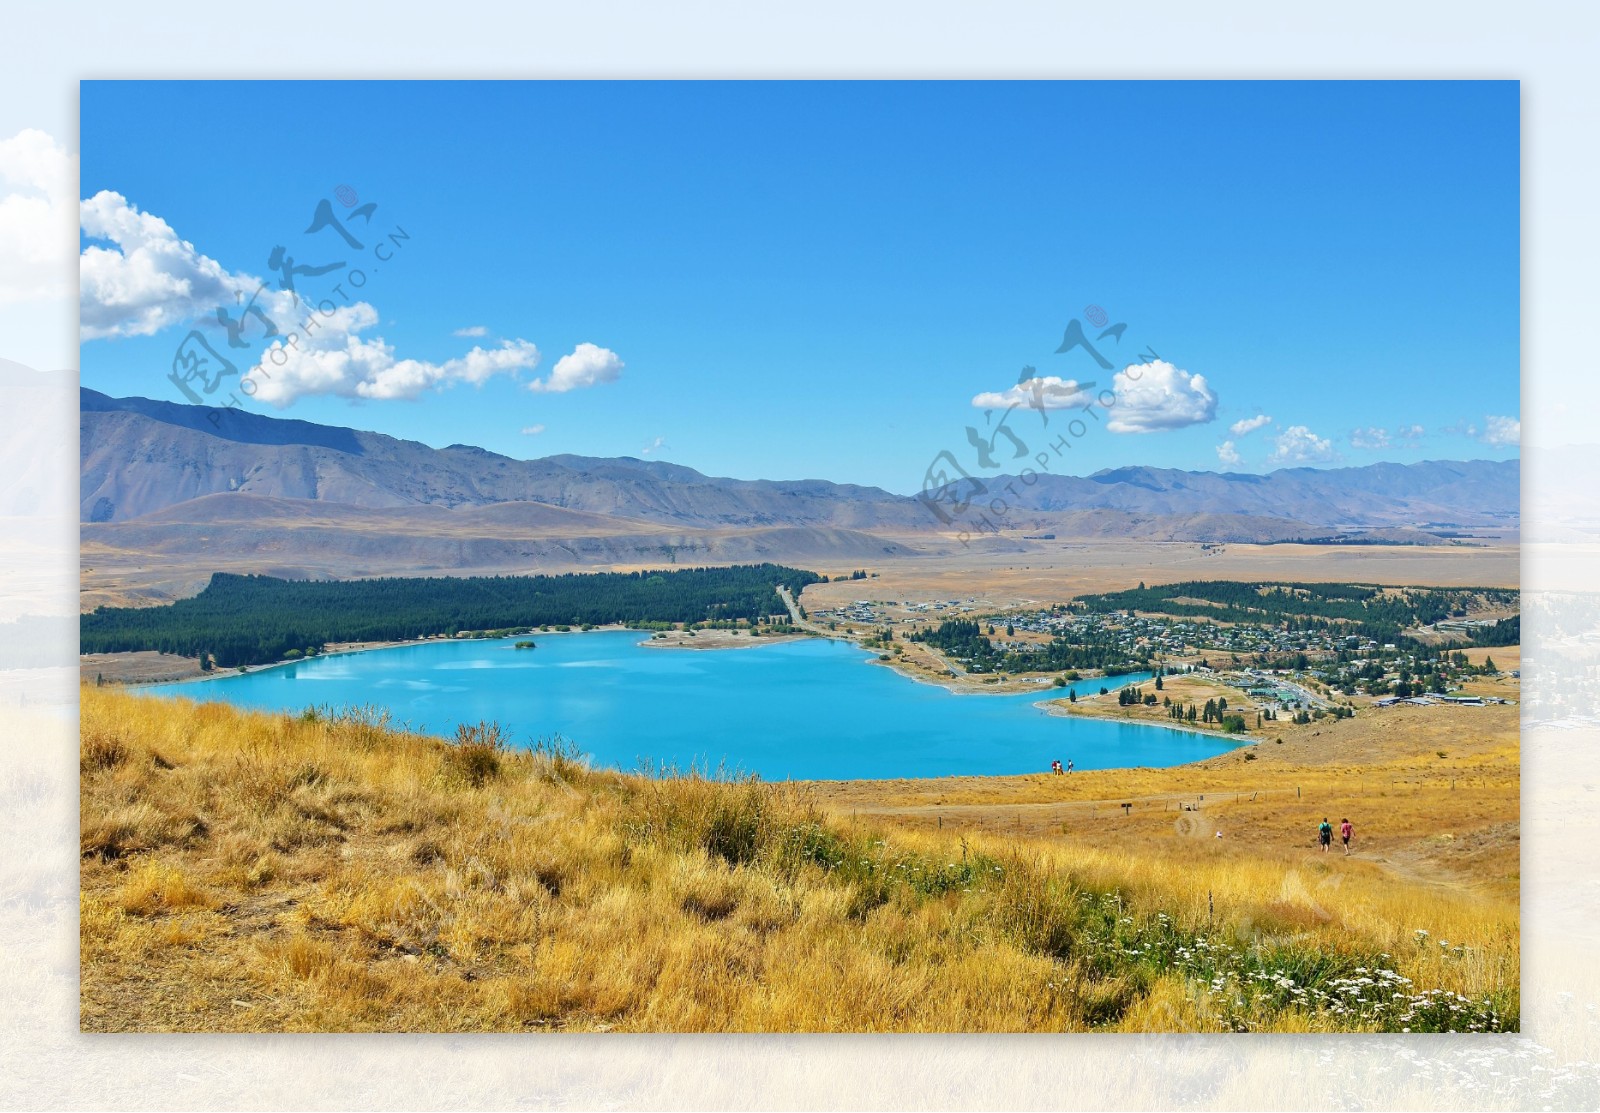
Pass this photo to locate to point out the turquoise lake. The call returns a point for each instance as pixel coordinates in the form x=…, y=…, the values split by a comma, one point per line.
x=810, y=709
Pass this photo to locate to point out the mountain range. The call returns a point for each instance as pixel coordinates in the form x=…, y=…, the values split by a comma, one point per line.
x=196, y=490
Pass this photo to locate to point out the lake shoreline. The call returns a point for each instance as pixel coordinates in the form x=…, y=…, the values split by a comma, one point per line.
x=957, y=684
x=965, y=684
x=803, y=710
x=189, y=672
x=1053, y=707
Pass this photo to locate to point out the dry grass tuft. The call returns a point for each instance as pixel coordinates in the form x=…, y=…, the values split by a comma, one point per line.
x=478, y=753
x=154, y=887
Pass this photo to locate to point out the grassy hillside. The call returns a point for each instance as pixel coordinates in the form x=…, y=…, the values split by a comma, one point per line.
x=261, y=872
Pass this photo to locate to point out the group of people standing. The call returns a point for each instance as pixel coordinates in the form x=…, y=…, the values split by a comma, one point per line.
x=1055, y=766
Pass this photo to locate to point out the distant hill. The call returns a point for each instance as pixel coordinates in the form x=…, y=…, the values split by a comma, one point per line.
x=1429, y=493
x=141, y=456
x=166, y=498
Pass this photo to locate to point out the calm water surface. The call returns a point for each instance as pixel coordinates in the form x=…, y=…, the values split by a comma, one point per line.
x=803, y=709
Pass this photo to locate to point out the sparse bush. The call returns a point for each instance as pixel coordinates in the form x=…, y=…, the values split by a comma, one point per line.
x=477, y=753
x=560, y=757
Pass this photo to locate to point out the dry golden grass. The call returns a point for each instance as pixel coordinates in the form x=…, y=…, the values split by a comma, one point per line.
x=1433, y=792
x=252, y=872
x=1048, y=572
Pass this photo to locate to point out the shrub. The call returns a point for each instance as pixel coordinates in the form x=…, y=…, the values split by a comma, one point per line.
x=477, y=752
x=559, y=756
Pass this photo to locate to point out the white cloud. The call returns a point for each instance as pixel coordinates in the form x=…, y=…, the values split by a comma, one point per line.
x=1373, y=438
x=141, y=277
x=1228, y=454
x=147, y=279
x=1157, y=395
x=1369, y=438
x=1501, y=432
x=1299, y=445
x=337, y=360
x=471, y=331
x=38, y=180
x=1043, y=392
x=654, y=446
x=585, y=366
x=533, y=430
x=1245, y=427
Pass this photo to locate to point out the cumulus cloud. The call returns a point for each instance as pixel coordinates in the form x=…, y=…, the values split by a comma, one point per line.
x=1299, y=445
x=471, y=331
x=337, y=360
x=1228, y=454
x=1156, y=395
x=585, y=366
x=38, y=179
x=532, y=430
x=1501, y=432
x=1245, y=427
x=141, y=277
x=654, y=446
x=1042, y=392
x=1369, y=438
x=1410, y=434
x=138, y=276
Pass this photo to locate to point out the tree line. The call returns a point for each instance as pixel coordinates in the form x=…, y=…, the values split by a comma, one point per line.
x=964, y=640
x=246, y=620
x=1360, y=609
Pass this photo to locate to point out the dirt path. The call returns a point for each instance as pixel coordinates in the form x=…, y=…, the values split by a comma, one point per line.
x=1421, y=834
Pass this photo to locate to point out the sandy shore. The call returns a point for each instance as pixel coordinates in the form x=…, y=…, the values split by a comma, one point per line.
x=714, y=639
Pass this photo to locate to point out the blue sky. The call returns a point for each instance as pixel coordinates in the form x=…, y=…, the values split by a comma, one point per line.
x=793, y=280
